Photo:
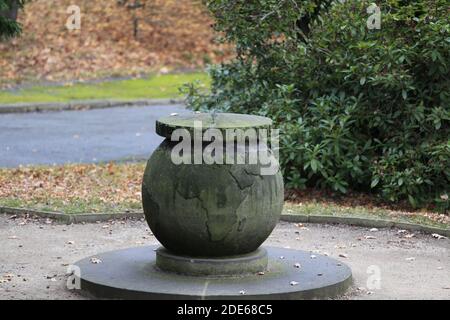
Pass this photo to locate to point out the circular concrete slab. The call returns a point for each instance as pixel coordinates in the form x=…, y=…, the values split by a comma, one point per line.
x=291, y=274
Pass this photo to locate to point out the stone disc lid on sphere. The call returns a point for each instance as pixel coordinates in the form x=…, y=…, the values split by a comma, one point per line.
x=222, y=121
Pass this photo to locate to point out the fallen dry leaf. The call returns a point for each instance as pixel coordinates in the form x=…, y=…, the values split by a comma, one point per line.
x=105, y=46
x=7, y=277
x=96, y=260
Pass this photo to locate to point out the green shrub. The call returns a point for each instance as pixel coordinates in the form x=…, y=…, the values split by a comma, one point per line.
x=358, y=109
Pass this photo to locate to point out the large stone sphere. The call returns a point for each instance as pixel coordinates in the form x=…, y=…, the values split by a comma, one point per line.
x=209, y=210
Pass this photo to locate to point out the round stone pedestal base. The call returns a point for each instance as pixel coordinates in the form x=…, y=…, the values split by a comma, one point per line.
x=291, y=274
x=251, y=263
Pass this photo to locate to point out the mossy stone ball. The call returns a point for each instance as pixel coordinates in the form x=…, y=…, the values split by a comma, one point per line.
x=209, y=210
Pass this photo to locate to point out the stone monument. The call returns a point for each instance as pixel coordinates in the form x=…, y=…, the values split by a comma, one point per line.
x=211, y=206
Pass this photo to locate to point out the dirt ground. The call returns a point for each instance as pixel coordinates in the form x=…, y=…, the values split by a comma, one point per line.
x=386, y=263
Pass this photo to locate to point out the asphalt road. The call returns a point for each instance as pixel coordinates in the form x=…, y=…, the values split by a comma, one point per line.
x=80, y=136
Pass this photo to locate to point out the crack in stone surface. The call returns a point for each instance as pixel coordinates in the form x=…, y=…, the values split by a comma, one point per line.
x=259, y=175
x=241, y=222
x=239, y=183
x=205, y=209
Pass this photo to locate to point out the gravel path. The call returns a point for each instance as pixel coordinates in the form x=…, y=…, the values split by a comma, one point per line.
x=34, y=256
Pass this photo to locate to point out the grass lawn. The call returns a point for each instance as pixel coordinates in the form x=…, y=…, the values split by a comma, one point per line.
x=116, y=187
x=331, y=209
x=154, y=87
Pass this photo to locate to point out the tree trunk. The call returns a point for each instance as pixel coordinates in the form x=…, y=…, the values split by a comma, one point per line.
x=13, y=10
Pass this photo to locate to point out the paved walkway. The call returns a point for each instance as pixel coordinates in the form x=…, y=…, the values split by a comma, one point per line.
x=34, y=256
x=80, y=136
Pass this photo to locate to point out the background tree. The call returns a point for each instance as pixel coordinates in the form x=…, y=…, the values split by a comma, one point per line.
x=134, y=6
x=9, y=27
x=143, y=12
